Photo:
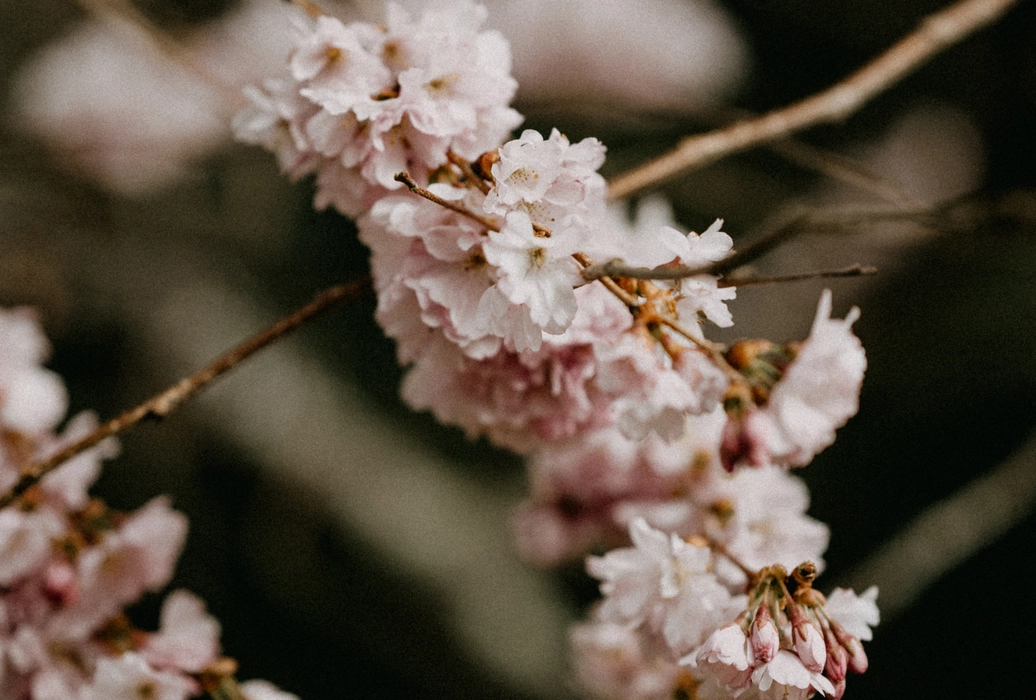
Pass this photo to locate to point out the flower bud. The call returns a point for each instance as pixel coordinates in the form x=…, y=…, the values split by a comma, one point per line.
x=765, y=640
x=857, y=657
x=837, y=658
x=809, y=644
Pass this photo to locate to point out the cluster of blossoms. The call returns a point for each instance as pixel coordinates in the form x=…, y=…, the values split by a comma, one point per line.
x=636, y=426
x=669, y=622
x=69, y=564
x=363, y=102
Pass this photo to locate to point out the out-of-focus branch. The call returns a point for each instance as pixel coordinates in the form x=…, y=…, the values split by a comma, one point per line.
x=162, y=404
x=936, y=33
x=122, y=17
x=749, y=280
x=790, y=224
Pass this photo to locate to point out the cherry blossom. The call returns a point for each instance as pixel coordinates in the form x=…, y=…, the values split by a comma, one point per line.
x=362, y=102
x=816, y=394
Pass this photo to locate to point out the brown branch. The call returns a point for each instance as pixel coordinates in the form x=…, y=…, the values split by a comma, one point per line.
x=793, y=222
x=617, y=268
x=841, y=169
x=610, y=284
x=405, y=178
x=936, y=32
x=851, y=271
x=162, y=404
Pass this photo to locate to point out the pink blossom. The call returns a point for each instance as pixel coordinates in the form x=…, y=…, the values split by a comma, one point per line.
x=725, y=656
x=552, y=180
x=785, y=676
x=818, y=393
x=664, y=582
x=856, y=613
x=32, y=398
x=336, y=65
x=536, y=272
x=188, y=637
x=129, y=677
x=765, y=639
x=612, y=662
x=364, y=102
x=264, y=690
x=759, y=515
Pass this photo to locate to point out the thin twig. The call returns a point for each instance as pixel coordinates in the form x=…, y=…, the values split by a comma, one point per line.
x=486, y=221
x=162, y=404
x=468, y=172
x=794, y=221
x=779, y=234
x=837, y=166
x=851, y=271
x=937, y=32
x=610, y=284
x=841, y=169
x=721, y=549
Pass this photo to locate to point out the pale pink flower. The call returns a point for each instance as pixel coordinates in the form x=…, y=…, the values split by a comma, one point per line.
x=386, y=98
x=725, y=656
x=336, y=67
x=264, y=690
x=806, y=638
x=25, y=542
x=670, y=52
x=818, y=393
x=785, y=676
x=666, y=583
x=137, y=557
x=765, y=639
x=759, y=515
x=651, y=395
x=188, y=637
x=275, y=120
x=551, y=179
x=129, y=677
x=857, y=614
x=536, y=272
x=517, y=399
x=118, y=111
x=613, y=662
x=32, y=398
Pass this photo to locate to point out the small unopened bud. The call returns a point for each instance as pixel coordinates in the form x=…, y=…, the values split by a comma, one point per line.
x=839, y=690
x=809, y=644
x=744, y=352
x=483, y=165
x=805, y=573
x=60, y=583
x=857, y=656
x=765, y=639
x=837, y=659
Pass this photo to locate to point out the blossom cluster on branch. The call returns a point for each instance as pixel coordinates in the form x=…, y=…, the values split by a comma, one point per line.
x=70, y=565
x=637, y=427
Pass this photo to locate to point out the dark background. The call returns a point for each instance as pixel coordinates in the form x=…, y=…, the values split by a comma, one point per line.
x=948, y=327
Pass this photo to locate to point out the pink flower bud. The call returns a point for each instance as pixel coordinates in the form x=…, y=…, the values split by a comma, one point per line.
x=809, y=643
x=60, y=584
x=857, y=657
x=765, y=640
x=839, y=690
x=837, y=658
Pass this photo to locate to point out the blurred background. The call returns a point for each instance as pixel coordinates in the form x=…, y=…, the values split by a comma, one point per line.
x=352, y=548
